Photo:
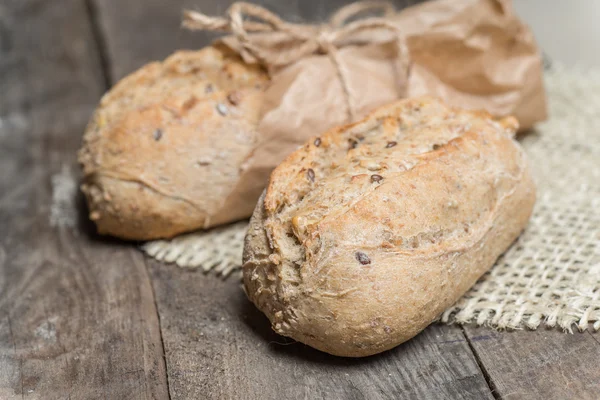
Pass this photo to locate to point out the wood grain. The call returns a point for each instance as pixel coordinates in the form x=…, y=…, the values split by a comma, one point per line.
x=219, y=346
x=77, y=316
x=543, y=364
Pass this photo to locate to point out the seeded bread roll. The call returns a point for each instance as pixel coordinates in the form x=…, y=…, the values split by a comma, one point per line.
x=369, y=232
x=163, y=152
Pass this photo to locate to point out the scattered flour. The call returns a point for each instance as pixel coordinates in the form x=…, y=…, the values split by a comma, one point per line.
x=63, y=210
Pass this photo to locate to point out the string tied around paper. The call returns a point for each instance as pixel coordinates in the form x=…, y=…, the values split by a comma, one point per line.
x=346, y=27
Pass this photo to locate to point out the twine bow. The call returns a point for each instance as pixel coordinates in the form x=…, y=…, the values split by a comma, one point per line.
x=304, y=40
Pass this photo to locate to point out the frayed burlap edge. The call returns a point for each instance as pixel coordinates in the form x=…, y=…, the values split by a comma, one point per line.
x=218, y=250
x=551, y=275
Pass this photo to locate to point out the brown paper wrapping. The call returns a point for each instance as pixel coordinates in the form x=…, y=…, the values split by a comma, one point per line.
x=471, y=53
x=475, y=54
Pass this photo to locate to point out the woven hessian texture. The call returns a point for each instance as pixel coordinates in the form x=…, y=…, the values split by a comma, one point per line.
x=551, y=275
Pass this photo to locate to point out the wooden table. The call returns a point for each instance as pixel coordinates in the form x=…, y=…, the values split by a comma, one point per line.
x=85, y=317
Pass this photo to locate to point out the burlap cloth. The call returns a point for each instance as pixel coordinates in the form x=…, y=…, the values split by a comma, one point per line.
x=551, y=274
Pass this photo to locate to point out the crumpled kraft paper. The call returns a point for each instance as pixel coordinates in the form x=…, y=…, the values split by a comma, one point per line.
x=475, y=54
x=472, y=53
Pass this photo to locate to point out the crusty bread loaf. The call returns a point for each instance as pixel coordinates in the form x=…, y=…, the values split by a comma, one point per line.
x=163, y=152
x=370, y=231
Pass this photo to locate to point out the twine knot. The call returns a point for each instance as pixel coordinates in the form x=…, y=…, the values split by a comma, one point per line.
x=324, y=40
x=344, y=28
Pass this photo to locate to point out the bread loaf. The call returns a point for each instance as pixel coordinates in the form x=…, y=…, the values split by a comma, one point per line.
x=163, y=152
x=370, y=231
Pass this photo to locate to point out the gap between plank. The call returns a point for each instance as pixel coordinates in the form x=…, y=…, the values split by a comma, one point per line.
x=101, y=45
x=486, y=375
x=160, y=333
x=104, y=58
x=593, y=337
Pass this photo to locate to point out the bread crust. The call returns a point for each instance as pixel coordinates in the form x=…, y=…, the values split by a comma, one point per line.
x=163, y=152
x=369, y=232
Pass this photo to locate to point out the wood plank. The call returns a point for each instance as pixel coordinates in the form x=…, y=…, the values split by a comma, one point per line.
x=219, y=346
x=543, y=364
x=77, y=315
x=136, y=32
